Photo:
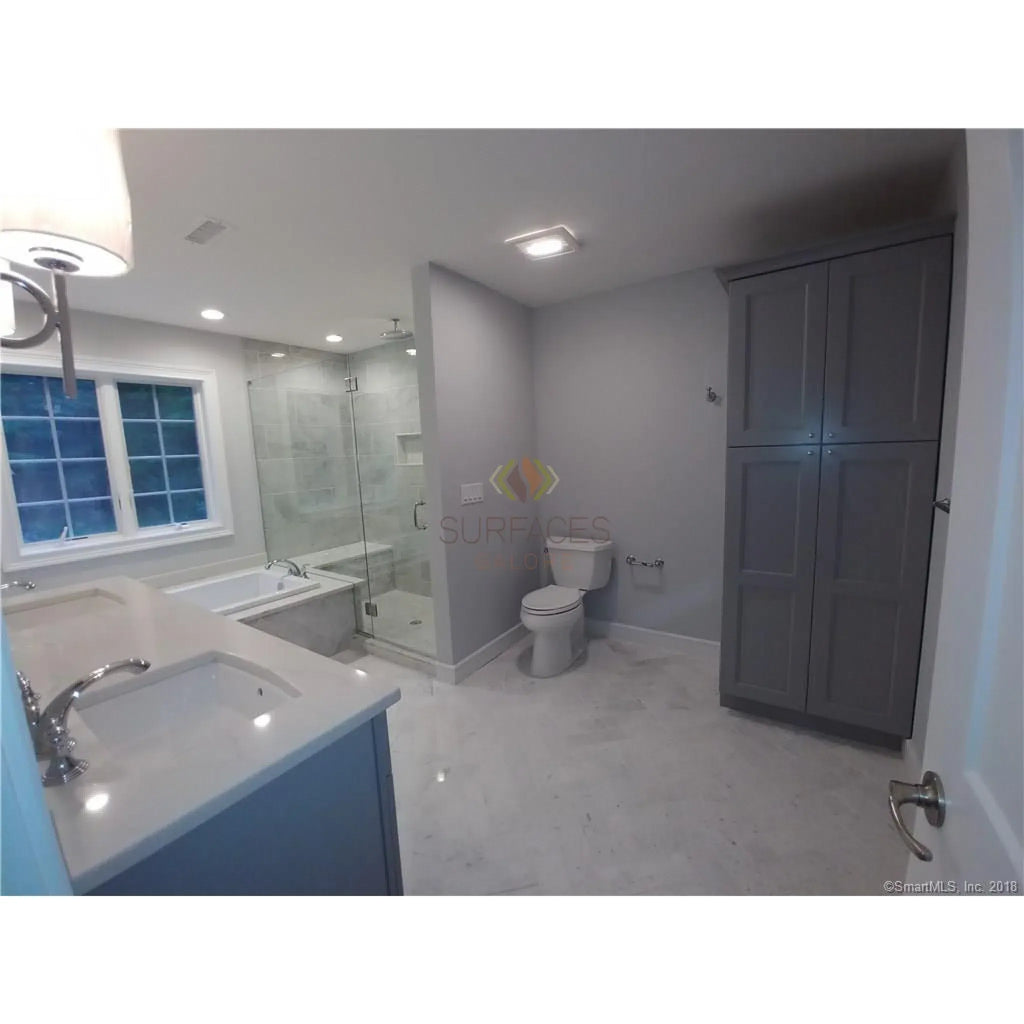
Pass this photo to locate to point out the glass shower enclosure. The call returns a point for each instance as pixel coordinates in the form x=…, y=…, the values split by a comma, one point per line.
x=339, y=456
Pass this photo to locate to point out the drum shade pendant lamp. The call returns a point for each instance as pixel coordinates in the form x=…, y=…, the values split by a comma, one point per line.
x=64, y=209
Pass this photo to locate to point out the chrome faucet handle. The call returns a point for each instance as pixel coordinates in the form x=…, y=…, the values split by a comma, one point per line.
x=55, y=739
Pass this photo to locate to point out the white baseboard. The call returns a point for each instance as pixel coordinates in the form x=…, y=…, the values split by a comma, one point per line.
x=468, y=665
x=675, y=642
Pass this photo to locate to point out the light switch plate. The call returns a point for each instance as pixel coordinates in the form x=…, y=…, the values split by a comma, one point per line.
x=472, y=494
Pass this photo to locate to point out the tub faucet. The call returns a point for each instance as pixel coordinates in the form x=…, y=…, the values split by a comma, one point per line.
x=293, y=569
x=52, y=726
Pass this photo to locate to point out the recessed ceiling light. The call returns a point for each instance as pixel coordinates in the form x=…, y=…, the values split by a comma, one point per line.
x=277, y=355
x=334, y=338
x=212, y=314
x=261, y=721
x=546, y=243
x=410, y=351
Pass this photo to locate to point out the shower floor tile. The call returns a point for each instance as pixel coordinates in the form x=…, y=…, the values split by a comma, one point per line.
x=405, y=619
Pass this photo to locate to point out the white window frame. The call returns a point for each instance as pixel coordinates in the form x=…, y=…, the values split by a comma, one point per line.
x=17, y=554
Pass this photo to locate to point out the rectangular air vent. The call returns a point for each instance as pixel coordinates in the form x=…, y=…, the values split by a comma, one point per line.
x=206, y=231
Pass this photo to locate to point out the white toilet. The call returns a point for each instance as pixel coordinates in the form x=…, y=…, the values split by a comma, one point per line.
x=554, y=614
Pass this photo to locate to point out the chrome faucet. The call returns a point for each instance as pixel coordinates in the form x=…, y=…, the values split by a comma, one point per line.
x=52, y=724
x=24, y=584
x=293, y=568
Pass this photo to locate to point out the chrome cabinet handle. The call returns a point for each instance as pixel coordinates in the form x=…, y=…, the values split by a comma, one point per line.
x=929, y=795
x=415, y=514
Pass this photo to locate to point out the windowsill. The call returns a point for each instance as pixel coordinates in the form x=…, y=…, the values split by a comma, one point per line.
x=60, y=553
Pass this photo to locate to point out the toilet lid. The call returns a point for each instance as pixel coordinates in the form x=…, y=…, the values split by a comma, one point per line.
x=549, y=600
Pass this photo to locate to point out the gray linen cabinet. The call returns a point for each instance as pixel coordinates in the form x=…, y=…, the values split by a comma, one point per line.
x=836, y=375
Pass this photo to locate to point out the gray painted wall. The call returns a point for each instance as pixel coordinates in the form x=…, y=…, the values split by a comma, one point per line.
x=476, y=396
x=139, y=341
x=621, y=413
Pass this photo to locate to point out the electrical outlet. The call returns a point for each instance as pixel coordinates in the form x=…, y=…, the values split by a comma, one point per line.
x=472, y=494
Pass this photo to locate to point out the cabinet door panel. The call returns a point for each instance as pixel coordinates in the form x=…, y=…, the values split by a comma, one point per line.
x=874, y=538
x=777, y=356
x=771, y=506
x=888, y=313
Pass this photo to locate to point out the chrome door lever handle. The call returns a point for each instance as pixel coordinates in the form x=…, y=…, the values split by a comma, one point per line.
x=929, y=795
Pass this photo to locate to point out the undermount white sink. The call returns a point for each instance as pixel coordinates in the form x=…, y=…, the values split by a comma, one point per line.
x=183, y=702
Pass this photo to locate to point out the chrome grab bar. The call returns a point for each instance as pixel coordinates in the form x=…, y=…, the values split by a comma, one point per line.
x=417, y=505
x=658, y=563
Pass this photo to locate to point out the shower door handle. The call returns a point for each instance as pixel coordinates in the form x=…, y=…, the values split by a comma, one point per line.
x=417, y=505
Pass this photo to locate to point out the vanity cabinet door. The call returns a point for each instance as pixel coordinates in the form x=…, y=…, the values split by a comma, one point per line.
x=777, y=356
x=771, y=509
x=888, y=313
x=874, y=540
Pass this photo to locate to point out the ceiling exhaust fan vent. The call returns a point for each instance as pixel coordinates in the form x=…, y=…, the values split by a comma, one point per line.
x=206, y=232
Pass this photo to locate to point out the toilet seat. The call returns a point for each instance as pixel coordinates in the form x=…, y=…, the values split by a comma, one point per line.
x=552, y=600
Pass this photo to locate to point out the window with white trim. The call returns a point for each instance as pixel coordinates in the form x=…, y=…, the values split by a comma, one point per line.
x=130, y=463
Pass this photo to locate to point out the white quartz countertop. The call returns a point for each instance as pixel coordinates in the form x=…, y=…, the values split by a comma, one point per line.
x=162, y=791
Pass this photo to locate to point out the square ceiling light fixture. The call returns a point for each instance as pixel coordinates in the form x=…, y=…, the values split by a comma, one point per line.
x=546, y=243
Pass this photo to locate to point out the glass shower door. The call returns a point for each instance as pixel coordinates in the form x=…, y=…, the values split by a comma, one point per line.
x=389, y=463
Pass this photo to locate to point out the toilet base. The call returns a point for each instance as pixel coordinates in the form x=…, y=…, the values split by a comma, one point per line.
x=556, y=650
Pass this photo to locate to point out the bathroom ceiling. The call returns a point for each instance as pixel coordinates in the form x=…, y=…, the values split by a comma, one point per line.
x=324, y=226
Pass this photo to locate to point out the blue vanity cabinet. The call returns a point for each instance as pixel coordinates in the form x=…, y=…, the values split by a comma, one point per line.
x=326, y=827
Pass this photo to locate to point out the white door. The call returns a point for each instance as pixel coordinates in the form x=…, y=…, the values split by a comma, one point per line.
x=976, y=714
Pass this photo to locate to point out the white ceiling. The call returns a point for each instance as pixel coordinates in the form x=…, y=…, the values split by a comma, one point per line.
x=326, y=225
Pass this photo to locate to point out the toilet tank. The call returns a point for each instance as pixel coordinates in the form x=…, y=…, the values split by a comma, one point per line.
x=580, y=562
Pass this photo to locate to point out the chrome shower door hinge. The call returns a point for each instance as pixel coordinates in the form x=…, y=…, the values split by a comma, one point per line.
x=351, y=383
x=371, y=609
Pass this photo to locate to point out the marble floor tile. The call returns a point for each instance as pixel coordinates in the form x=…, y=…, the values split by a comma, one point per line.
x=625, y=776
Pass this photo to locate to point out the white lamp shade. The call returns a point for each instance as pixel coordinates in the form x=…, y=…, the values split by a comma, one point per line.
x=64, y=201
x=7, y=323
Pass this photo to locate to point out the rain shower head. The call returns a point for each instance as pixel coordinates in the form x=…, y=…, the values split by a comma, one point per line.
x=396, y=334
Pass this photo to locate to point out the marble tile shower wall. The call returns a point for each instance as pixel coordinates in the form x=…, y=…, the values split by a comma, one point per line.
x=305, y=449
x=387, y=405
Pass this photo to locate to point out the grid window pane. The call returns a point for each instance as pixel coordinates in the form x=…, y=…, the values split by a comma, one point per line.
x=36, y=481
x=58, y=461
x=184, y=474
x=84, y=405
x=142, y=438
x=163, y=448
x=87, y=478
x=188, y=506
x=88, y=517
x=22, y=395
x=42, y=522
x=136, y=401
x=28, y=439
x=180, y=438
x=175, y=403
x=147, y=475
x=152, y=509
x=80, y=439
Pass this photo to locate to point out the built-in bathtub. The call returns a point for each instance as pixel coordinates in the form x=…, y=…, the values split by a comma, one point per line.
x=317, y=613
x=239, y=591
